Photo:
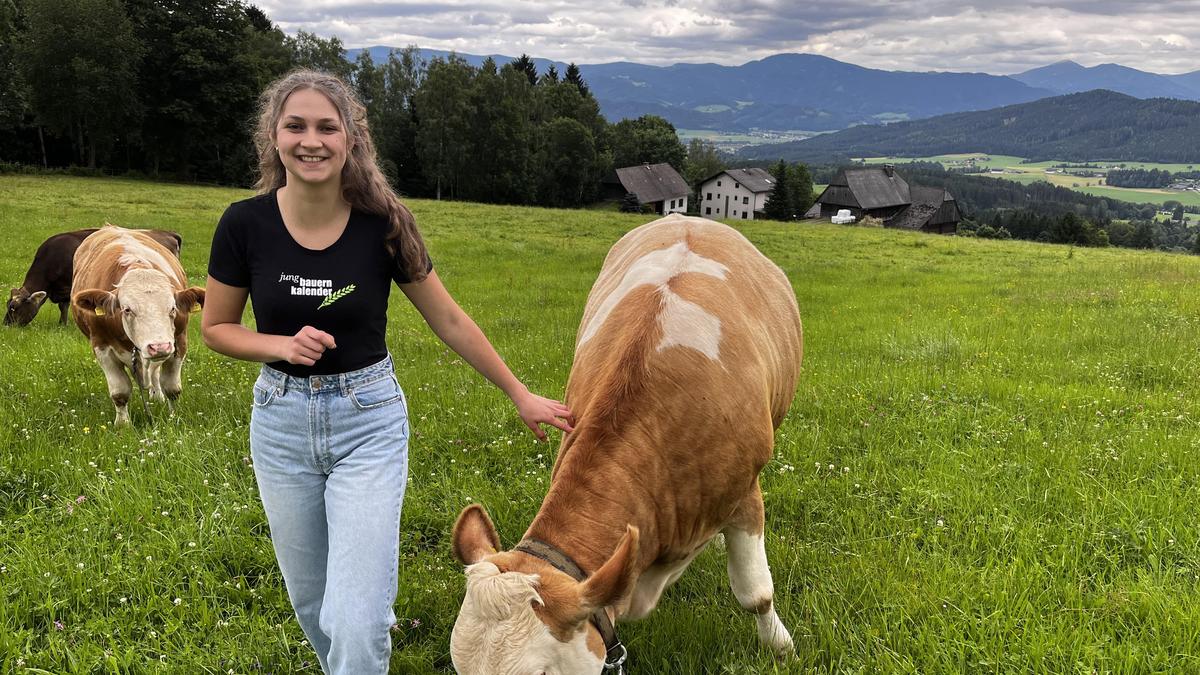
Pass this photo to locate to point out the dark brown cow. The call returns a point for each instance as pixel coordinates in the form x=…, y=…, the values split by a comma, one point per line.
x=49, y=276
x=686, y=362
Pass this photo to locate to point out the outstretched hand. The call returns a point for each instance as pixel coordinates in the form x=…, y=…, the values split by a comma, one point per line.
x=537, y=410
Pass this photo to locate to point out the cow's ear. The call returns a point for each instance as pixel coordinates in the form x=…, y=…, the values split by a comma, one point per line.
x=474, y=537
x=190, y=299
x=14, y=293
x=95, y=301
x=38, y=297
x=614, y=578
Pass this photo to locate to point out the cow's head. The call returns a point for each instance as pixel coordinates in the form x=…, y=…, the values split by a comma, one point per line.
x=23, y=306
x=521, y=616
x=152, y=312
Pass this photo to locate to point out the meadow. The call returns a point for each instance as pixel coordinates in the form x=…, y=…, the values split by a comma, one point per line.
x=1018, y=170
x=990, y=464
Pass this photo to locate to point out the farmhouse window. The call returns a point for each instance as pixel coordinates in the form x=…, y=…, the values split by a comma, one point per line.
x=709, y=197
x=743, y=215
x=708, y=210
x=745, y=200
x=737, y=185
x=718, y=183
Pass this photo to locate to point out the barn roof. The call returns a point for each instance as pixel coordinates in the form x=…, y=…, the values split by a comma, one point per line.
x=754, y=179
x=653, y=182
x=930, y=206
x=872, y=187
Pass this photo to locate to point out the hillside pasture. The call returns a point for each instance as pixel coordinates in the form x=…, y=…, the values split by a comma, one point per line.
x=990, y=465
x=1016, y=169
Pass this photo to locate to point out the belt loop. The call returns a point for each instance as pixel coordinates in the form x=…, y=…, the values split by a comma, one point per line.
x=342, y=386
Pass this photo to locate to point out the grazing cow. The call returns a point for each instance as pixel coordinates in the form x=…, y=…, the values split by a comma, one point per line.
x=49, y=276
x=131, y=299
x=686, y=362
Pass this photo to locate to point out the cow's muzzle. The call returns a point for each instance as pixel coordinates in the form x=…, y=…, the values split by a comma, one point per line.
x=156, y=351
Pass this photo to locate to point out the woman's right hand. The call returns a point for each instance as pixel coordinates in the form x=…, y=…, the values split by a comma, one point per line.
x=306, y=346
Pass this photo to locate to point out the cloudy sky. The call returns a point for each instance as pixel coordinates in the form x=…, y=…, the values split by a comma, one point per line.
x=999, y=37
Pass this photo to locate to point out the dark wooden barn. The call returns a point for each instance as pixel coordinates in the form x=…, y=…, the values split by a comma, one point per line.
x=880, y=192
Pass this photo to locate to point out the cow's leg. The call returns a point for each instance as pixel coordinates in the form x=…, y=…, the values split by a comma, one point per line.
x=119, y=386
x=154, y=380
x=749, y=576
x=172, y=380
x=62, y=312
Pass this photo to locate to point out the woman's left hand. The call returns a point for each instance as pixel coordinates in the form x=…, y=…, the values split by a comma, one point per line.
x=537, y=410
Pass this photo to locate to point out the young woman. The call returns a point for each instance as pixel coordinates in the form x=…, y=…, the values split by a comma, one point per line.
x=316, y=252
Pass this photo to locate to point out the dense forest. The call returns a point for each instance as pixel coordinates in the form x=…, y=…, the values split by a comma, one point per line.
x=168, y=89
x=1094, y=125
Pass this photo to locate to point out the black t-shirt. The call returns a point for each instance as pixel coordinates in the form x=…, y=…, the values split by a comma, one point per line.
x=342, y=289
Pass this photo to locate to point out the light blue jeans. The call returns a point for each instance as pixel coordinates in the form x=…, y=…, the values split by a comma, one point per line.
x=331, y=458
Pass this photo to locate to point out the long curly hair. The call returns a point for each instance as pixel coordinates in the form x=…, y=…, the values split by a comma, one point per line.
x=363, y=184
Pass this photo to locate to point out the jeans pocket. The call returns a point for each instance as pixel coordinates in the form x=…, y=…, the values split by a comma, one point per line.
x=264, y=395
x=381, y=392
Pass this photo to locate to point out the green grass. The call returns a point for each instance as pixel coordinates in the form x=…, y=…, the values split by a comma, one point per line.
x=1016, y=169
x=990, y=465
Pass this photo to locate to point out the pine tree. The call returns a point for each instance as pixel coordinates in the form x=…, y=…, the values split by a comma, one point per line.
x=800, y=190
x=576, y=78
x=780, y=204
x=525, y=64
x=551, y=76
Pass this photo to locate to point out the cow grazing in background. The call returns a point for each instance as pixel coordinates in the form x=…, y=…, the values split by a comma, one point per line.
x=131, y=299
x=686, y=362
x=49, y=276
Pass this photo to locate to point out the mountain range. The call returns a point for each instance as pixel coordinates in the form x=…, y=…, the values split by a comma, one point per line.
x=810, y=93
x=1093, y=125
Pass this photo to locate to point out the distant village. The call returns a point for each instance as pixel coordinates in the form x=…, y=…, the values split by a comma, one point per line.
x=877, y=192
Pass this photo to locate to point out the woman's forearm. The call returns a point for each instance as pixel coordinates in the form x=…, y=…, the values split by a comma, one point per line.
x=239, y=342
x=467, y=340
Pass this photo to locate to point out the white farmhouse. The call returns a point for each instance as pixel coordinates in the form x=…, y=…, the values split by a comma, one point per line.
x=735, y=193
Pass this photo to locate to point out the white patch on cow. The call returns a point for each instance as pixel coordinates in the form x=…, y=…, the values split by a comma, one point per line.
x=135, y=253
x=150, y=297
x=498, y=633
x=684, y=324
x=750, y=579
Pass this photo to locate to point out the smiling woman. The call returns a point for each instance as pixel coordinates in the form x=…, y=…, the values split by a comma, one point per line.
x=317, y=252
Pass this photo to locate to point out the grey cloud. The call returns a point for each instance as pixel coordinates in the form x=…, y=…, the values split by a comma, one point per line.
x=957, y=35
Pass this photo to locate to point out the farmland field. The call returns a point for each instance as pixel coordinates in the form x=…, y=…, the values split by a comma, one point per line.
x=1015, y=169
x=990, y=465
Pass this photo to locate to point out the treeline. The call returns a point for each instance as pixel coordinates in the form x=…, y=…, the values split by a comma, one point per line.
x=168, y=89
x=1138, y=178
x=1040, y=211
x=1069, y=228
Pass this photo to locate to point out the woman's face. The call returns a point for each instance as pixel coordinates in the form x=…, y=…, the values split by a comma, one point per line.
x=311, y=138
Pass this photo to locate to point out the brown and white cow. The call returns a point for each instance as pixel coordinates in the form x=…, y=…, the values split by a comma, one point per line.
x=686, y=362
x=49, y=276
x=130, y=297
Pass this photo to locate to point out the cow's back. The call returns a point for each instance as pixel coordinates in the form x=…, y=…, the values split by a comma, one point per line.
x=51, y=269
x=686, y=361
x=104, y=257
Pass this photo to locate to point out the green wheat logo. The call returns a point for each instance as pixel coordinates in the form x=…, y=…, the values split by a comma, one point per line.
x=336, y=295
